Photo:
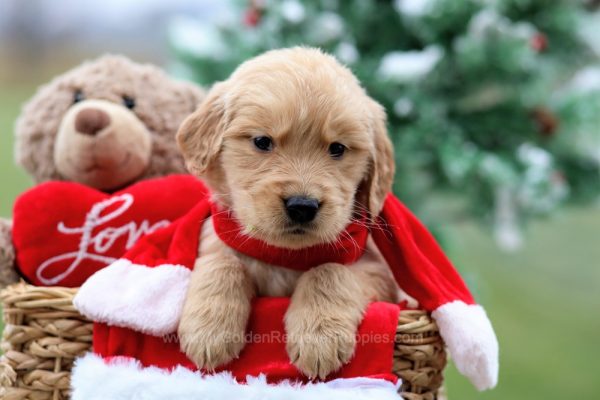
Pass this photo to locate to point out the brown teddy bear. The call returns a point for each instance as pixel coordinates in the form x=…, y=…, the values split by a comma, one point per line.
x=105, y=124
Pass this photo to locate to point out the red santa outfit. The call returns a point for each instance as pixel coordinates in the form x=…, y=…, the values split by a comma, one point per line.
x=137, y=302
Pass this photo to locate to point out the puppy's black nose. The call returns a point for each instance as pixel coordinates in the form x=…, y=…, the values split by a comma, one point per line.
x=301, y=209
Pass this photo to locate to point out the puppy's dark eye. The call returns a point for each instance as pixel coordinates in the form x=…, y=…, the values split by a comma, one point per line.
x=263, y=143
x=78, y=96
x=129, y=102
x=336, y=150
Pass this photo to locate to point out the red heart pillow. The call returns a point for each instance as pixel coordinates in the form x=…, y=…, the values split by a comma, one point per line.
x=63, y=232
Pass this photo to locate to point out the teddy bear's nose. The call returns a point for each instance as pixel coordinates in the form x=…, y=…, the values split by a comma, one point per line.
x=90, y=121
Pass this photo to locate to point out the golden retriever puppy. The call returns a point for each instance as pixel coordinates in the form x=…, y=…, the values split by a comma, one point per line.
x=295, y=148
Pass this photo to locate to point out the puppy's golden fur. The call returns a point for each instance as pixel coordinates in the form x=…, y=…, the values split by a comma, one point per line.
x=304, y=100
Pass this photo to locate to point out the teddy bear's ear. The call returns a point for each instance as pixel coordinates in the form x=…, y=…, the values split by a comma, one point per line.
x=195, y=94
x=201, y=134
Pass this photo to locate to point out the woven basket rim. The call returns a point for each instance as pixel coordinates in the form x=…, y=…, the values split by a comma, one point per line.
x=45, y=333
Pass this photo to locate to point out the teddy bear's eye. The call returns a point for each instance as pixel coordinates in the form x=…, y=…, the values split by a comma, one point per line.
x=129, y=102
x=78, y=96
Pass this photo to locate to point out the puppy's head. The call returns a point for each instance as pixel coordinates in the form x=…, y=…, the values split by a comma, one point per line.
x=293, y=145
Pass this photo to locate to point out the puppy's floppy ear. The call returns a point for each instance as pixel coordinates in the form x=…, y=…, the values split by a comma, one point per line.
x=201, y=134
x=378, y=183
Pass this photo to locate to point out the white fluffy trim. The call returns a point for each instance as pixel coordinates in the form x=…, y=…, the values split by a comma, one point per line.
x=471, y=341
x=134, y=296
x=93, y=379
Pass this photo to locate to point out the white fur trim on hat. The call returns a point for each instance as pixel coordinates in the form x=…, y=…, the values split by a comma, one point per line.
x=125, y=379
x=471, y=342
x=145, y=299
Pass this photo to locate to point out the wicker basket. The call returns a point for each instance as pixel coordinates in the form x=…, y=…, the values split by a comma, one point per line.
x=44, y=333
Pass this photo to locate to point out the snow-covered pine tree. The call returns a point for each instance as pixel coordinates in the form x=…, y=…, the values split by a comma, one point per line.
x=493, y=103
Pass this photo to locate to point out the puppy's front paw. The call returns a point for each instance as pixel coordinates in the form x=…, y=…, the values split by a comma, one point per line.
x=318, y=346
x=210, y=343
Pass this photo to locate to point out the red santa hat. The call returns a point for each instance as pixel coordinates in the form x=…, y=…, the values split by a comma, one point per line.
x=141, y=296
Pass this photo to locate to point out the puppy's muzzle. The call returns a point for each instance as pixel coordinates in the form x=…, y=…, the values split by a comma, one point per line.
x=301, y=209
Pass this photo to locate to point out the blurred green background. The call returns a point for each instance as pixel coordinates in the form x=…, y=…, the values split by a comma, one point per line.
x=13, y=180
x=544, y=300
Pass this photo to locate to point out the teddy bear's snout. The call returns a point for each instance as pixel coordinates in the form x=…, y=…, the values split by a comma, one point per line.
x=90, y=121
x=102, y=144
